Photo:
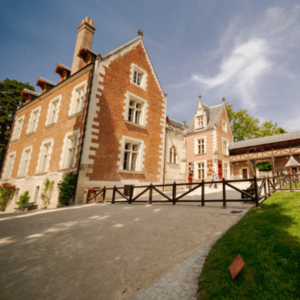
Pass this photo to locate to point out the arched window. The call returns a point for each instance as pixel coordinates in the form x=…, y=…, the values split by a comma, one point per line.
x=173, y=155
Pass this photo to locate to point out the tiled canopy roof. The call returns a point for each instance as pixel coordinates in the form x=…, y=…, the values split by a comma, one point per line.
x=292, y=162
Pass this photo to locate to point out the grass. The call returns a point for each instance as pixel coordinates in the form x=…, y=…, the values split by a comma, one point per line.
x=287, y=187
x=268, y=239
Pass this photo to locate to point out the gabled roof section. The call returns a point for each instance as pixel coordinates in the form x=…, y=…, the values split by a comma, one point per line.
x=213, y=113
x=175, y=123
x=129, y=44
x=292, y=162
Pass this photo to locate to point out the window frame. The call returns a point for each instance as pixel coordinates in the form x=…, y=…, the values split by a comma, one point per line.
x=227, y=148
x=5, y=175
x=201, y=118
x=224, y=128
x=40, y=160
x=73, y=98
x=196, y=169
x=22, y=162
x=63, y=164
x=140, y=71
x=196, y=145
x=21, y=120
x=29, y=129
x=225, y=163
x=49, y=114
x=172, y=155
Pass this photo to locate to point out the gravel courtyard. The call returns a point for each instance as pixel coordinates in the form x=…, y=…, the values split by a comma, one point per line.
x=103, y=251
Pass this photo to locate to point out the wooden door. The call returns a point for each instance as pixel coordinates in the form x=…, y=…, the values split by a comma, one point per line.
x=245, y=173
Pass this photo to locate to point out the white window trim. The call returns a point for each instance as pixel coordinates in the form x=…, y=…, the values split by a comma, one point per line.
x=51, y=142
x=228, y=169
x=49, y=110
x=64, y=148
x=224, y=122
x=196, y=144
x=14, y=134
x=130, y=96
x=196, y=169
x=38, y=196
x=227, y=146
x=6, y=166
x=140, y=159
x=21, y=161
x=30, y=120
x=144, y=74
x=84, y=85
x=241, y=172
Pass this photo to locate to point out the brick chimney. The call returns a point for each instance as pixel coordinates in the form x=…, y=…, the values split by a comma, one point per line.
x=84, y=38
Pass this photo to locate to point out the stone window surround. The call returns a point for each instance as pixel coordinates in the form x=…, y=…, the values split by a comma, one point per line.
x=6, y=166
x=143, y=117
x=16, y=123
x=22, y=161
x=196, y=169
x=73, y=95
x=140, y=158
x=30, y=120
x=144, y=74
x=241, y=171
x=228, y=169
x=58, y=98
x=64, y=148
x=227, y=153
x=196, y=152
x=51, y=142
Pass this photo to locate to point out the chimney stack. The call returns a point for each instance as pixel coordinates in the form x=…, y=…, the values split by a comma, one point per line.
x=84, y=38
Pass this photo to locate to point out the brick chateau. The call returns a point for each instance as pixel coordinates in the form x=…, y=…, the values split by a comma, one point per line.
x=106, y=120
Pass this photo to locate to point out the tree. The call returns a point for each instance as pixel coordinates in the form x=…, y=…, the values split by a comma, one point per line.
x=245, y=127
x=10, y=97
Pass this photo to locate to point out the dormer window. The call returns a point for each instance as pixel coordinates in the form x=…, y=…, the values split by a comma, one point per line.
x=45, y=85
x=200, y=122
x=139, y=76
x=63, y=71
x=224, y=126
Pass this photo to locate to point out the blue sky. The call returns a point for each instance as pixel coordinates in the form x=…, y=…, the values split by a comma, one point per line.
x=246, y=51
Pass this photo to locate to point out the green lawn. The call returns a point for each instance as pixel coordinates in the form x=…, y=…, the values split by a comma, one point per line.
x=268, y=239
x=293, y=185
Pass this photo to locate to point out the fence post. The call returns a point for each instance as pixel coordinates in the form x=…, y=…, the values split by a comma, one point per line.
x=88, y=195
x=265, y=188
x=150, y=194
x=104, y=193
x=269, y=186
x=224, y=193
x=280, y=185
x=113, y=195
x=130, y=194
x=291, y=182
x=202, y=195
x=174, y=193
x=256, y=191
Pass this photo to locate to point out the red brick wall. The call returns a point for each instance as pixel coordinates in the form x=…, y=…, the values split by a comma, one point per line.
x=116, y=82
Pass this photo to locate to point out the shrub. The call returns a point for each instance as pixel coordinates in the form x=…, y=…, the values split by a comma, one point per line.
x=7, y=192
x=67, y=188
x=23, y=199
x=264, y=166
x=47, y=192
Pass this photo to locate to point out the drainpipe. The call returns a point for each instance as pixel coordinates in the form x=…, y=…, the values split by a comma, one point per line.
x=164, y=170
x=92, y=86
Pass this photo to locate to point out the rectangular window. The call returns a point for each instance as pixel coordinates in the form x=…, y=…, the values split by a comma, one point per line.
x=18, y=129
x=137, y=78
x=53, y=112
x=201, y=171
x=200, y=122
x=225, y=147
x=78, y=103
x=24, y=163
x=224, y=125
x=201, y=146
x=36, y=194
x=45, y=158
x=9, y=166
x=33, y=121
x=135, y=112
x=225, y=171
x=70, y=152
x=131, y=152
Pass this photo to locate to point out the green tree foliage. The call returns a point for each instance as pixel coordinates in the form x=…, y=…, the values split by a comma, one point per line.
x=67, y=188
x=23, y=199
x=245, y=127
x=47, y=192
x=264, y=166
x=10, y=97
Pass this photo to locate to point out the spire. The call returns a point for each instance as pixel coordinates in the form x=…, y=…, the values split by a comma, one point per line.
x=223, y=99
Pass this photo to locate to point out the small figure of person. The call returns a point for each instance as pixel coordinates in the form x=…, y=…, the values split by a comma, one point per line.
x=214, y=177
x=190, y=179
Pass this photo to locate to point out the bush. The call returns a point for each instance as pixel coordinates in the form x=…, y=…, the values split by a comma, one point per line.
x=47, y=192
x=23, y=199
x=264, y=166
x=7, y=192
x=67, y=188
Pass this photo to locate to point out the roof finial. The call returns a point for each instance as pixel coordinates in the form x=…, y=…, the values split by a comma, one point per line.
x=200, y=97
x=140, y=33
x=223, y=99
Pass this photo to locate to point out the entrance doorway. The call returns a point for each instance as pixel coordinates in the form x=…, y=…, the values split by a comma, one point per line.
x=294, y=170
x=220, y=171
x=245, y=173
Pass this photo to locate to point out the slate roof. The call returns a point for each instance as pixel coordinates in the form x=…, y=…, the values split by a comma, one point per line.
x=176, y=123
x=277, y=138
x=32, y=92
x=65, y=67
x=292, y=162
x=214, y=115
x=47, y=81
